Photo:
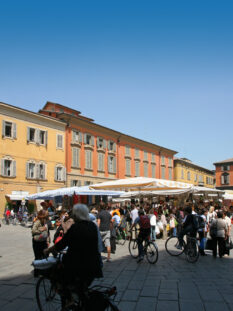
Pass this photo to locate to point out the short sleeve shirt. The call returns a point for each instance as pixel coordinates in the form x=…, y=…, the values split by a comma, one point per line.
x=105, y=220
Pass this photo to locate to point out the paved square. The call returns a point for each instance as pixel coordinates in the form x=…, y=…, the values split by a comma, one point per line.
x=171, y=284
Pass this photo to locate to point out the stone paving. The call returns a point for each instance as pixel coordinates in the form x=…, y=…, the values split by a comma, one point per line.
x=170, y=284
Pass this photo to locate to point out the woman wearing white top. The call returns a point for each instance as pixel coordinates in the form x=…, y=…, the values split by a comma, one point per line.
x=153, y=225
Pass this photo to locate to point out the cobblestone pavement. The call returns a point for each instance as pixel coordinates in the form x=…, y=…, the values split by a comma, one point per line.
x=170, y=284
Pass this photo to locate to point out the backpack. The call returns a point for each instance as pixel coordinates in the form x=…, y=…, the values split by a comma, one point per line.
x=144, y=222
x=198, y=222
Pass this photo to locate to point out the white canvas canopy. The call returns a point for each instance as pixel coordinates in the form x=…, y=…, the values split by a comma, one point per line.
x=141, y=184
x=209, y=191
x=169, y=192
x=50, y=194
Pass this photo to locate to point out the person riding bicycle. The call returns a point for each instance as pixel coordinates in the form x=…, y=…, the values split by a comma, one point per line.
x=144, y=232
x=82, y=260
x=188, y=226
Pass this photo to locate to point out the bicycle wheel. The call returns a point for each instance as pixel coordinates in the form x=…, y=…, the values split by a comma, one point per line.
x=46, y=296
x=133, y=248
x=152, y=252
x=171, y=246
x=192, y=250
x=122, y=237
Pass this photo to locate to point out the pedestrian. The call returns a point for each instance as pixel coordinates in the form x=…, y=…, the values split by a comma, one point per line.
x=202, y=233
x=218, y=231
x=226, y=217
x=104, y=221
x=152, y=225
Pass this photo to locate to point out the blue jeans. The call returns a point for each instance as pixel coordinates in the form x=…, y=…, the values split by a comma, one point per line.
x=152, y=233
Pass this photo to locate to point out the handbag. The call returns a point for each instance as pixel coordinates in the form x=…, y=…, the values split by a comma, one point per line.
x=59, y=238
x=41, y=237
x=229, y=244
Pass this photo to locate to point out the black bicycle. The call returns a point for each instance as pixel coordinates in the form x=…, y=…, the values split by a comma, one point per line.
x=150, y=249
x=50, y=295
x=189, y=247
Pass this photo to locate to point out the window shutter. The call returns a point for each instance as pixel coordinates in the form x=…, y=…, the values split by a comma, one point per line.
x=114, y=165
x=14, y=130
x=104, y=143
x=114, y=147
x=228, y=167
x=85, y=138
x=73, y=136
x=28, y=134
x=64, y=173
x=80, y=137
x=55, y=173
x=222, y=168
x=2, y=166
x=46, y=138
x=71, y=183
x=97, y=142
x=92, y=140
x=73, y=156
x=37, y=138
x=108, y=144
x=44, y=172
x=3, y=128
x=14, y=168
x=108, y=163
x=222, y=180
x=27, y=170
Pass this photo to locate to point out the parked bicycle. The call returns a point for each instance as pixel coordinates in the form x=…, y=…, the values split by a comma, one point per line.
x=150, y=249
x=50, y=294
x=189, y=247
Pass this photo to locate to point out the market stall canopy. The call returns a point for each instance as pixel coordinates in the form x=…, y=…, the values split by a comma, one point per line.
x=209, y=191
x=141, y=184
x=170, y=192
x=228, y=195
x=17, y=195
x=85, y=190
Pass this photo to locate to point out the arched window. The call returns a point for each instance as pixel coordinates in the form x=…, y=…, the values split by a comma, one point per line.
x=60, y=173
x=31, y=169
x=8, y=167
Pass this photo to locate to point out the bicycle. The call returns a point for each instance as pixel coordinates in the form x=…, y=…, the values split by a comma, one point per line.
x=150, y=249
x=189, y=248
x=121, y=235
x=51, y=296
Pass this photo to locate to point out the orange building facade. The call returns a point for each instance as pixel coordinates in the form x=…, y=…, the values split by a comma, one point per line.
x=95, y=153
x=224, y=174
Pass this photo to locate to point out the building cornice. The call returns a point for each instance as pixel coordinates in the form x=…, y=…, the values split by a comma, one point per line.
x=195, y=166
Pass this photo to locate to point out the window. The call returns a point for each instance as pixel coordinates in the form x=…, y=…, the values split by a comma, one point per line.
x=225, y=167
x=87, y=183
x=145, y=167
x=145, y=155
x=127, y=150
x=111, y=146
x=170, y=173
x=60, y=173
x=59, y=141
x=75, y=157
x=36, y=136
x=111, y=164
x=41, y=171
x=152, y=157
x=153, y=170
x=8, y=129
x=101, y=162
x=200, y=178
x=163, y=172
x=88, y=139
x=8, y=168
x=137, y=168
x=75, y=183
x=101, y=143
x=76, y=137
x=42, y=137
x=188, y=176
x=182, y=173
x=137, y=153
x=170, y=162
x=88, y=159
x=127, y=167
x=32, y=135
x=225, y=179
x=31, y=170
x=195, y=178
x=162, y=160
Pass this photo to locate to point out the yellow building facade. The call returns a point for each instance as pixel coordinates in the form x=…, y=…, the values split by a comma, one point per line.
x=188, y=172
x=32, y=152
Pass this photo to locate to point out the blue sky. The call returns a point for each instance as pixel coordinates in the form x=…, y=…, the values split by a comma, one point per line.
x=161, y=71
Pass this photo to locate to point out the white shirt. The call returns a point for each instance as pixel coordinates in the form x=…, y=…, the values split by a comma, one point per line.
x=153, y=220
x=134, y=214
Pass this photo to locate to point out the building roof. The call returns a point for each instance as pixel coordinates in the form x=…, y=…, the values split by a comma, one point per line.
x=225, y=161
x=191, y=164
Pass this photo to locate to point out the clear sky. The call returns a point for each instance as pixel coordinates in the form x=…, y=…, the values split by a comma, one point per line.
x=161, y=70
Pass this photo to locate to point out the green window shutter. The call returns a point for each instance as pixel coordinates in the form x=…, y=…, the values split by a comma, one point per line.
x=97, y=142
x=28, y=134
x=104, y=143
x=80, y=137
x=73, y=156
x=3, y=128
x=14, y=168
x=2, y=166
x=114, y=165
x=114, y=147
x=92, y=140
x=85, y=138
x=14, y=130
x=109, y=144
